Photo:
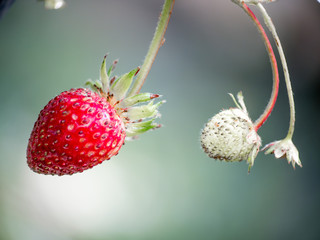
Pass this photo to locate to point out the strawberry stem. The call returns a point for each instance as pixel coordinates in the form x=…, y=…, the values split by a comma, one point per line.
x=155, y=44
x=275, y=88
x=272, y=29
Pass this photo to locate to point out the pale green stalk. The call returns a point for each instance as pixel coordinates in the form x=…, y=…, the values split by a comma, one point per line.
x=156, y=43
x=272, y=29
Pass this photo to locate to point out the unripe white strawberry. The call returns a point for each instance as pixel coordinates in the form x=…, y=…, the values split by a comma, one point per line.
x=230, y=135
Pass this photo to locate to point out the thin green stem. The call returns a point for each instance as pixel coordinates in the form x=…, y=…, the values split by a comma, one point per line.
x=156, y=43
x=272, y=29
x=275, y=88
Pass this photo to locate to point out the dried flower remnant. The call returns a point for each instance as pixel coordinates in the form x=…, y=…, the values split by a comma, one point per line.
x=284, y=149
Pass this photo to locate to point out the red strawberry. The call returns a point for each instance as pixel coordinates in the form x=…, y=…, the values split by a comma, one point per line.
x=75, y=131
x=80, y=128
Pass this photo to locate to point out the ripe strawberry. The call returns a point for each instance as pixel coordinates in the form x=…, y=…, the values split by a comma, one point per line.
x=79, y=128
x=75, y=131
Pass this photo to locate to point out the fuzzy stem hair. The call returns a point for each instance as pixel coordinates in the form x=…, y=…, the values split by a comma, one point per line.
x=156, y=43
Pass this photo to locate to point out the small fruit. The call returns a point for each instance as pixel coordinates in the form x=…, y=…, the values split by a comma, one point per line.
x=81, y=128
x=230, y=135
x=76, y=130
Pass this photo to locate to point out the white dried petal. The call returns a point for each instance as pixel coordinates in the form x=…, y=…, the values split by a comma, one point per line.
x=284, y=148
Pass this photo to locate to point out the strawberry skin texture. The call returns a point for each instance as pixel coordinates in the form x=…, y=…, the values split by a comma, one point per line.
x=76, y=130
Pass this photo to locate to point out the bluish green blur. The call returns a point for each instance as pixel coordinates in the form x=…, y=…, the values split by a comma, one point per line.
x=161, y=186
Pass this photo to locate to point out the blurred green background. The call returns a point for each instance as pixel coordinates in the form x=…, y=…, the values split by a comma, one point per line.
x=161, y=186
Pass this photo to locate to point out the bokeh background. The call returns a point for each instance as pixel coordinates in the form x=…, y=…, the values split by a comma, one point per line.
x=161, y=186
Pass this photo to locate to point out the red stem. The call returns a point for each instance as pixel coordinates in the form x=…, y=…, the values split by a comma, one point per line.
x=275, y=89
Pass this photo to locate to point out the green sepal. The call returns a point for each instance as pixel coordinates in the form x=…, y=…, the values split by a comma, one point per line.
x=104, y=76
x=121, y=85
x=141, y=127
x=251, y=158
x=96, y=86
x=112, y=67
x=143, y=111
x=241, y=105
x=141, y=97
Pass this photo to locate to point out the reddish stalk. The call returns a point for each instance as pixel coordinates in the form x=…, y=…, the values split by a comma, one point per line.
x=275, y=88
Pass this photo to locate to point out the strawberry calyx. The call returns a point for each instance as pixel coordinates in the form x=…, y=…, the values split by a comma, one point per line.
x=137, y=116
x=81, y=128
